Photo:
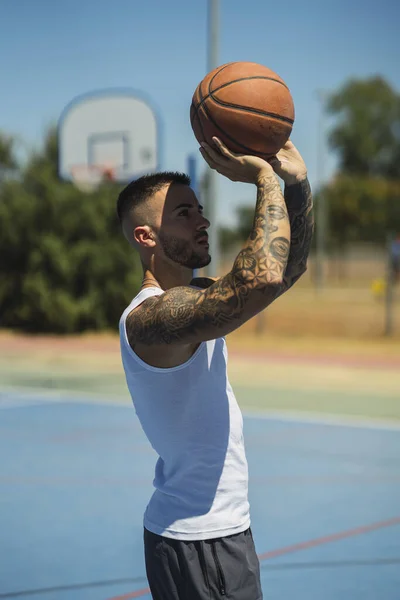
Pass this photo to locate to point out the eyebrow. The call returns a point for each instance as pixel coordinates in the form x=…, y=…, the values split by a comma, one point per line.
x=185, y=205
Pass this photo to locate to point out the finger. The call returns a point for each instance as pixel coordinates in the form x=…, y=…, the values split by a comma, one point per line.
x=210, y=156
x=215, y=156
x=207, y=158
x=223, y=149
x=222, y=169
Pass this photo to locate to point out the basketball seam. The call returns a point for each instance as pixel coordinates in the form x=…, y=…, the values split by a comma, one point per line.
x=248, y=109
x=195, y=113
x=224, y=85
x=203, y=99
x=246, y=148
x=255, y=111
x=199, y=120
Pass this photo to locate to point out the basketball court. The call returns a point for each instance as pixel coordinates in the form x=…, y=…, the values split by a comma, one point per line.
x=77, y=474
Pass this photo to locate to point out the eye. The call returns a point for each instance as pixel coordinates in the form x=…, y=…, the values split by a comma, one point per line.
x=183, y=213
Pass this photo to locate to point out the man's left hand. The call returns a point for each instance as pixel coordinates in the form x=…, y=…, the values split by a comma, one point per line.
x=289, y=165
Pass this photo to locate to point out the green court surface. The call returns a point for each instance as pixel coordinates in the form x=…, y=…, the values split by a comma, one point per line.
x=274, y=386
x=319, y=401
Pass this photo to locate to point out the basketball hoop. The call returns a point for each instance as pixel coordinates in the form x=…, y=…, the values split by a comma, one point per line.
x=87, y=178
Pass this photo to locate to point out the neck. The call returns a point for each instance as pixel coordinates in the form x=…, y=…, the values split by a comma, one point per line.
x=166, y=276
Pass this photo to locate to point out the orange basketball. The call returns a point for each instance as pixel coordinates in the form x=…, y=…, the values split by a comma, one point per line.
x=246, y=105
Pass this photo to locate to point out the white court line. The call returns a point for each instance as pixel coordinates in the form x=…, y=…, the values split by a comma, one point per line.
x=20, y=399
x=45, y=396
x=335, y=420
x=40, y=396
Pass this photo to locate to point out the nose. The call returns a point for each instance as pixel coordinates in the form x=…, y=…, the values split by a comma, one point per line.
x=203, y=223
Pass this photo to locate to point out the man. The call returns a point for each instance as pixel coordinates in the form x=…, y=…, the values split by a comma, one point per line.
x=197, y=536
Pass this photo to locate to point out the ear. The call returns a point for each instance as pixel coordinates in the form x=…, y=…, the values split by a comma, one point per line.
x=144, y=236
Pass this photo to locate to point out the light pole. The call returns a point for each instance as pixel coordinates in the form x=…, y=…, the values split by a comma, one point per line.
x=211, y=187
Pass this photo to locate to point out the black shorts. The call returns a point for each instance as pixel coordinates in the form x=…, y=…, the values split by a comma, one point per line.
x=225, y=567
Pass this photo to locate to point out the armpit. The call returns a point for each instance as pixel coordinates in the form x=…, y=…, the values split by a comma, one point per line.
x=203, y=282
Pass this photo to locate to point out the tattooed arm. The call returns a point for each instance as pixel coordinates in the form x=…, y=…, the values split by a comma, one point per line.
x=184, y=315
x=299, y=203
x=290, y=166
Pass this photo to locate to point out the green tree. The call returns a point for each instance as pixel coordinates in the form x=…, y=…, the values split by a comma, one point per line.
x=362, y=208
x=65, y=265
x=364, y=197
x=8, y=161
x=367, y=130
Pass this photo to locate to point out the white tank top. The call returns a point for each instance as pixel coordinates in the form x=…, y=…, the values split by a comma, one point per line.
x=190, y=415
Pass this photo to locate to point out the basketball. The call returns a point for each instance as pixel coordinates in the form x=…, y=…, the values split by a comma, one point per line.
x=246, y=105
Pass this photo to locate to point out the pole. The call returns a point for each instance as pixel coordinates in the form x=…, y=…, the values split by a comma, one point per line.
x=321, y=208
x=194, y=184
x=211, y=189
x=389, y=295
x=192, y=172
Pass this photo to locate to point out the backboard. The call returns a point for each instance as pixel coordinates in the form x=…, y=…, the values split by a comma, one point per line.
x=110, y=130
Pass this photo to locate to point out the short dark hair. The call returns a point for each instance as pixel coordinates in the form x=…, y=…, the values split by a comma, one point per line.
x=141, y=189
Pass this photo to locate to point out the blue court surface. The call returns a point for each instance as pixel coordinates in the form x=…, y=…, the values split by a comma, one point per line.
x=75, y=477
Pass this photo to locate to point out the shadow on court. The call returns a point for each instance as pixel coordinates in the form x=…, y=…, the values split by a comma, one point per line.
x=75, y=478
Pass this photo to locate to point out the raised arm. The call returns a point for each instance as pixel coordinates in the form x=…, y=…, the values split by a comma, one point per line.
x=299, y=204
x=184, y=315
x=290, y=167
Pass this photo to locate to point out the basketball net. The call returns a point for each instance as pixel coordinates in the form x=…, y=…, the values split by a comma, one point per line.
x=88, y=178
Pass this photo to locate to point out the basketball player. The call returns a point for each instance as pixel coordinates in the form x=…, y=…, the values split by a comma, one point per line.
x=197, y=536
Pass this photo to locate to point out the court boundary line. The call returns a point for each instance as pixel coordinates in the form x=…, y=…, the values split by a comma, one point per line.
x=73, y=586
x=336, y=420
x=57, y=396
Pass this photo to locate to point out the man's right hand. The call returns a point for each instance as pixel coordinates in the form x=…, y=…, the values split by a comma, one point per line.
x=236, y=167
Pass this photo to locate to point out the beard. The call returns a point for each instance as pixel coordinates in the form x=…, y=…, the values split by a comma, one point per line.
x=181, y=252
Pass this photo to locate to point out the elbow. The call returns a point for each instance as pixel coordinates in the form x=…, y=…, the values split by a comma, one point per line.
x=291, y=279
x=302, y=270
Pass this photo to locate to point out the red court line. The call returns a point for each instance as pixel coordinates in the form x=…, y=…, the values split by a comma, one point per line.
x=137, y=594
x=326, y=539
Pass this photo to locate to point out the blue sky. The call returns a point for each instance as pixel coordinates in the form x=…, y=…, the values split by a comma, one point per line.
x=52, y=51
